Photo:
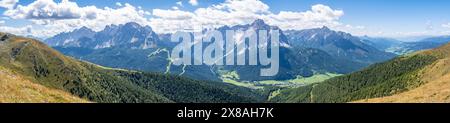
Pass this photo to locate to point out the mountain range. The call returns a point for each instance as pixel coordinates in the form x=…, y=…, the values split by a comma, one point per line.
x=339, y=44
x=405, y=47
x=304, y=53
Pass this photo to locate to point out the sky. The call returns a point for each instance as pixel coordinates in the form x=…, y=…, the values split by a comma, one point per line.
x=399, y=19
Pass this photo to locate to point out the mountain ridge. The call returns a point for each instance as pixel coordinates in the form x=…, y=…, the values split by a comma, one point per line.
x=339, y=44
x=437, y=82
x=402, y=79
x=51, y=69
x=124, y=57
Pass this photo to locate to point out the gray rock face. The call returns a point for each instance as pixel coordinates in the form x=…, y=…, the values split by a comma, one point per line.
x=338, y=44
x=130, y=35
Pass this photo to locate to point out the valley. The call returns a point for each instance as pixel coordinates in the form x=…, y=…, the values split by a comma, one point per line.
x=233, y=78
x=297, y=60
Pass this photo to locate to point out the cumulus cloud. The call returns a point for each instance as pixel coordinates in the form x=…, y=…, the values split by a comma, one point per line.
x=118, y=4
x=54, y=18
x=25, y=30
x=193, y=2
x=2, y=22
x=179, y=3
x=233, y=12
x=319, y=15
x=447, y=25
x=47, y=9
x=9, y=4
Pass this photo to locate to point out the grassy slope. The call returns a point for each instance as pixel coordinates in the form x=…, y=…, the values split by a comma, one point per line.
x=392, y=77
x=437, y=78
x=48, y=67
x=17, y=89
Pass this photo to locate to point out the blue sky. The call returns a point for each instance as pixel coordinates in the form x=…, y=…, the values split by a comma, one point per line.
x=380, y=18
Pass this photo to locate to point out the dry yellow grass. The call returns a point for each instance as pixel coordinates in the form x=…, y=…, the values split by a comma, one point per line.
x=435, y=90
x=17, y=89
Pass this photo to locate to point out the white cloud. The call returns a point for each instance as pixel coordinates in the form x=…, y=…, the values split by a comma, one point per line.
x=319, y=15
x=25, y=31
x=49, y=18
x=233, y=12
x=2, y=22
x=179, y=3
x=54, y=18
x=9, y=4
x=172, y=14
x=447, y=25
x=193, y=2
x=119, y=4
x=48, y=9
x=253, y=6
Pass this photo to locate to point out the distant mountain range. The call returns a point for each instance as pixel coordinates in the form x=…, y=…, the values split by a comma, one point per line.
x=303, y=53
x=338, y=44
x=405, y=47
